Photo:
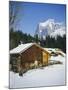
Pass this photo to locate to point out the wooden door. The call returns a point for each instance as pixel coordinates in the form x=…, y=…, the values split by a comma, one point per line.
x=45, y=58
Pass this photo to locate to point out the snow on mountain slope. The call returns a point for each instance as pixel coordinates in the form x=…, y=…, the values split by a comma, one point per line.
x=48, y=76
x=43, y=25
x=50, y=27
x=59, y=32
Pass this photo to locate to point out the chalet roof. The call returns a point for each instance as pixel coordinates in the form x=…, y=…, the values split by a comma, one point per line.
x=51, y=49
x=55, y=50
x=22, y=47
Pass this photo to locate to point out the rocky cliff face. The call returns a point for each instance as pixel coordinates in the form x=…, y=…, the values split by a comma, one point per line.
x=51, y=28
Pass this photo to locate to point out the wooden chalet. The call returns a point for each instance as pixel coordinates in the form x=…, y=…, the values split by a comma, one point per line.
x=28, y=55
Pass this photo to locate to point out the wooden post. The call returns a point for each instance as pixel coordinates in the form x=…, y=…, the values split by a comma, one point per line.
x=19, y=63
x=19, y=66
x=36, y=63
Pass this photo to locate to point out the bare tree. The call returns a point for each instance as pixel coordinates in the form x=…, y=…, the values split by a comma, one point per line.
x=14, y=14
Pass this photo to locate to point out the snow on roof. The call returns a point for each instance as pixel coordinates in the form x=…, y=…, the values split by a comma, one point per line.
x=47, y=50
x=52, y=49
x=55, y=50
x=21, y=48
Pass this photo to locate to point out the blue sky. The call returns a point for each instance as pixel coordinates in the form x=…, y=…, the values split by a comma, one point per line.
x=30, y=14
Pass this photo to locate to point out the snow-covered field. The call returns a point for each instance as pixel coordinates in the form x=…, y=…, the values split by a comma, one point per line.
x=48, y=76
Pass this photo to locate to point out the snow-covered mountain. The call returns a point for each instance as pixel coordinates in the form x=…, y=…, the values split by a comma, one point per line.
x=59, y=32
x=51, y=28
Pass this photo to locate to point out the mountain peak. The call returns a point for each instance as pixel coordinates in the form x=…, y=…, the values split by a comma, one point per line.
x=50, y=27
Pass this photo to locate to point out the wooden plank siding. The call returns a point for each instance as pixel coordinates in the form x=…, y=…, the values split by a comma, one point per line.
x=34, y=53
x=45, y=58
x=25, y=59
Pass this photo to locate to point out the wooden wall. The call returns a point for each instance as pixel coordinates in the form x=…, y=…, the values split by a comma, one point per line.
x=34, y=53
x=45, y=57
x=31, y=55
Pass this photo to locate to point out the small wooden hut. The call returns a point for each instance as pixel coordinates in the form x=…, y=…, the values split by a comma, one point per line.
x=27, y=55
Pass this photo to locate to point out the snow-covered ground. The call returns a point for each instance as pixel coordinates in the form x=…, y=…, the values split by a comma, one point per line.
x=48, y=76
